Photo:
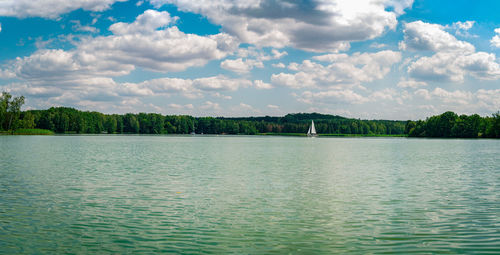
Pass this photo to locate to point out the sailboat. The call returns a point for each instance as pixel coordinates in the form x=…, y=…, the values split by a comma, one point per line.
x=312, y=130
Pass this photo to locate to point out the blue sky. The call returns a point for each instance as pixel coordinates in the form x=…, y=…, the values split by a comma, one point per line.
x=375, y=59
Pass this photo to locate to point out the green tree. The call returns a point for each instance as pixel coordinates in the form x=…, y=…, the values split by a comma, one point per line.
x=111, y=124
x=10, y=111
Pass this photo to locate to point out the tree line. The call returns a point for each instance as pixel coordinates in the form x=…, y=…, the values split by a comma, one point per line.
x=449, y=124
x=70, y=120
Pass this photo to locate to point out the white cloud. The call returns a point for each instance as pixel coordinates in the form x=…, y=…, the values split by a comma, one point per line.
x=105, y=93
x=271, y=106
x=387, y=94
x=179, y=107
x=423, y=93
x=243, y=110
x=240, y=66
x=220, y=83
x=79, y=27
x=453, y=59
x=262, y=85
x=313, y=26
x=461, y=101
x=50, y=8
x=146, y=23
x=6, y=74
x=219, y=95
x=250, y=58
x=450, y=67
x=278, y=65
x=210, y=106
x=165, y=50
x=495, y=41
x=462, y=28
x=0, y=27
x=332, y=97
x=145, y=43
x=411, y=83
x=378, y=45
x=420, y=35
x=489, y=99
x=463, y=25
x=341, y=69
x=278, y=54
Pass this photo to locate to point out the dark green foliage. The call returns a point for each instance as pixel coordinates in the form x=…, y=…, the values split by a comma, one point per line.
x=32, y=131
x=450, y=124
x=69, y=120
x=10, y=111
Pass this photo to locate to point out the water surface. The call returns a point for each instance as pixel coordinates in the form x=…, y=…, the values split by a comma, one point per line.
x=250, y=195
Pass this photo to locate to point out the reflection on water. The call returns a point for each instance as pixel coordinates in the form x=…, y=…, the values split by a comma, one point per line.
x=202, y=194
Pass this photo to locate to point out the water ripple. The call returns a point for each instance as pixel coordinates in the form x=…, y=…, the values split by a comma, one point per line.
x=248, y=195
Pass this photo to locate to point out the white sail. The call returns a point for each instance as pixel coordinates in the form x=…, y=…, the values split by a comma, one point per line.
x=313, y=129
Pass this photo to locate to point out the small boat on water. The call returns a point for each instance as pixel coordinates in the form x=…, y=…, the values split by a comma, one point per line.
x=312, y=130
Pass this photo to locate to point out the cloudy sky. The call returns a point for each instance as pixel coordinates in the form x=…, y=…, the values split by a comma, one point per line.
x=376, y=59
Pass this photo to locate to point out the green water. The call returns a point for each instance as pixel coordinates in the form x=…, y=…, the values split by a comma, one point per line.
x=248, y=195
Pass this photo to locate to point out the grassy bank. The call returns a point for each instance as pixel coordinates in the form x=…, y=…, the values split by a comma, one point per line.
x=363, y=135
x=32, y=131
x=283, y=134
x=334, y=135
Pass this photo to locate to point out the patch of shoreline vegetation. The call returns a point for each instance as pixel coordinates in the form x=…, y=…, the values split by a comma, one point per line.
x=64, y=120
x=32, y=131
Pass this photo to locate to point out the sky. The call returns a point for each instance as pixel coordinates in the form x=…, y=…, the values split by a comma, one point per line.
x=368, y=59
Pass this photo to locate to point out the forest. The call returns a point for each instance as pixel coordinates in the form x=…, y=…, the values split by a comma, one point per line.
x=449, y=124
x=66, y=120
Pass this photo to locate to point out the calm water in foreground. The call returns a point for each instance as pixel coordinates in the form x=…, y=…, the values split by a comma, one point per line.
x=237, y=194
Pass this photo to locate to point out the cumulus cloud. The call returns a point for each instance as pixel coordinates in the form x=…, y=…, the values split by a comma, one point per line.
x=463, y=25
x=79, y=27
x=453, y=59
x=450, y=67
x=149, y=42
x=420, y=35
x=495, y=41
x=146, y=23
x=332, y=97
x=244, y=109
x=108, y=94
x=220, y=83
x=240, y=65
x=313, y=25
x=378, y=45
x=278, y=65
x=340, y=69
x=144, y=43
x=50, y=8
x=208, y=105
x=250, y=58
x=262, y=85
x=479, y=101
x=178, y=106
x=411, y=83
x=462, y=28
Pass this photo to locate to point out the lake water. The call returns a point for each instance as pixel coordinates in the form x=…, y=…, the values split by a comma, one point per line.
x=248, y=195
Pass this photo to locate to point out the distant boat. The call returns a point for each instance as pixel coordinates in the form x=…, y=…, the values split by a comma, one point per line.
x=312, y=130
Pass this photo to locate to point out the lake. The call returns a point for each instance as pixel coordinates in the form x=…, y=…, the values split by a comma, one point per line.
x=248, y=195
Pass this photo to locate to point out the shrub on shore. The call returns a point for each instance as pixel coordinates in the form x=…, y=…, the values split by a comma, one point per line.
x=32, y=131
